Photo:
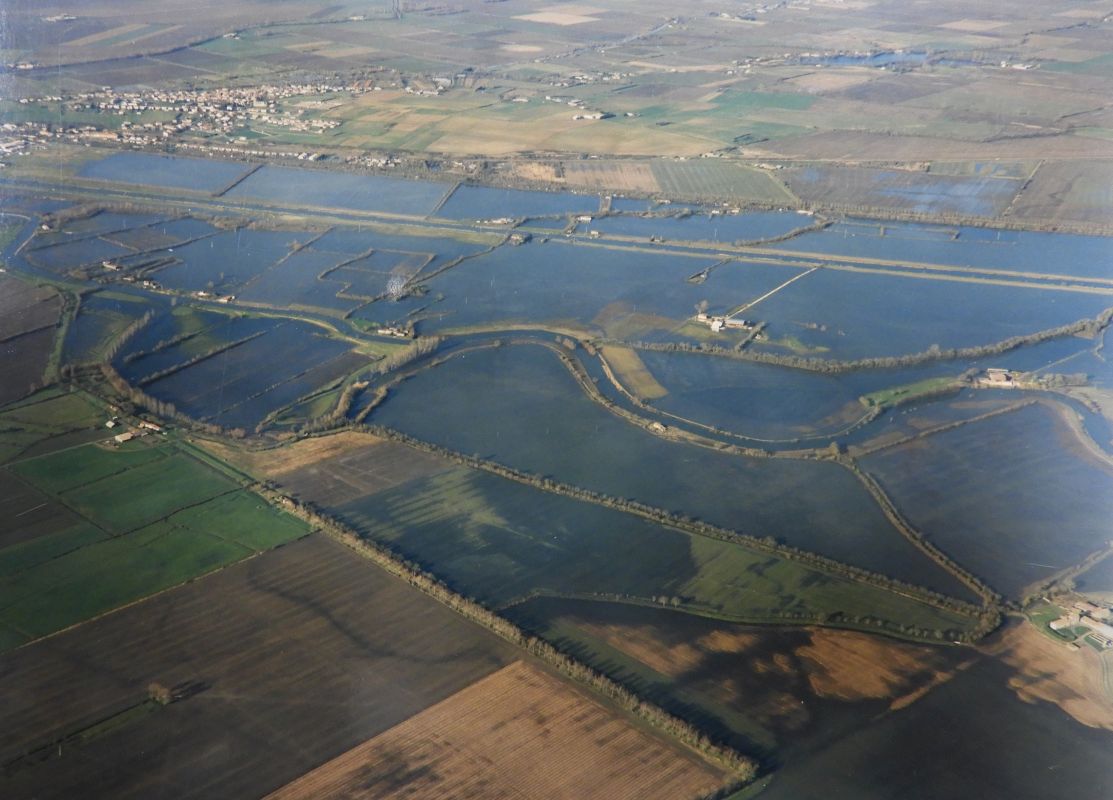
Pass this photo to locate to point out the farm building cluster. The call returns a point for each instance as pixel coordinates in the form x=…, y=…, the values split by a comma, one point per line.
x=1092, y=617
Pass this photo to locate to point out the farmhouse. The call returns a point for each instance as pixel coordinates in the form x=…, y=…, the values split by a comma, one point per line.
x=1090, y=616
x=123, y=437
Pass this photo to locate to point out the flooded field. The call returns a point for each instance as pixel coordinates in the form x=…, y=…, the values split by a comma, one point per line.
x=501, y=541
x=518, y=406
x=260, y=365
x=995, y=746
x=626, y=293
x=1033, y=501
x=484, y=203
x=166, y=172
x=779, y=693
x=703, y=227
x=856, y=315
x=307, y=187
x=1009, y=251
x=899, y=189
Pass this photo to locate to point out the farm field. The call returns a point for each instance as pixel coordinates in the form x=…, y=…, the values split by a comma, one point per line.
x=532, y=399
x=117, y=523
x=502, y=542
x=487, y=740
x=912, y=191
x=375, y=651
x=775, y=692
x=1043, y=481
x=857, y=315
x=524, y=411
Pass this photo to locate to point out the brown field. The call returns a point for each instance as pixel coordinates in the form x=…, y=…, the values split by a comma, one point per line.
x=534, y=171
x=334, y=469
x=22, y=363
x=852, y=147
x=632, y=372
x=294, y=657
x=833, y=80
x=618, y=176
x=1049, y=670
x=1075, y=191
x=25, y=307
x=854, y=666
x=519, y=734
x=775, y=684
x=28, y=513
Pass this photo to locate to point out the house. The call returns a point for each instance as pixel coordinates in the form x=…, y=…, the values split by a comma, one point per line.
x=151, y=426
x=123, y=437
x=998, y=375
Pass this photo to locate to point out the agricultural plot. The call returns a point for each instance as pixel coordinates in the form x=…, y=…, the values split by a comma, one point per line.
x=100, y=319
x=162, y=235
x=485, y=203
x=902, y=754
x=526, y=411
x=296, y=282
x=625, y=293
x=228, y=260
x=121, y=523
x=502, y=542
x=165, y=172
x=695, y=180
x=920, y=192
x=1030, y=254
x=849, y=315
x=307, y=188
x=1070, y=191
x=341, y=468
x=1033, y=502
x=47, y=421
x=772, y=692
x=760, y=401
x=243, y=383
x=487, y=741
x=173, y=340
x=62, y=258
x=22, y=361
x=240, y=646
x=752, y=227
x=25, y=307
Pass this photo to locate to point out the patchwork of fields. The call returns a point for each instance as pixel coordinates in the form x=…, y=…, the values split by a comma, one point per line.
x=99, y=525
x=704, y=452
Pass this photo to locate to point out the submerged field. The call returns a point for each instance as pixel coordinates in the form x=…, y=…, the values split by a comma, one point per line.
x=1033, y=502
x=519, y=406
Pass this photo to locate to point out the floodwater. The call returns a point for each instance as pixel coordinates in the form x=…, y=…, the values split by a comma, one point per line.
x=308, y=187
x=1032, y=501
x=486, y=202
x=703, y=227
x=986, y=248
x=519, y=406
x=167, y=172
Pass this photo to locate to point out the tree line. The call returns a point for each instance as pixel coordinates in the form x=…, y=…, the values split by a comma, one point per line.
x=744, y=768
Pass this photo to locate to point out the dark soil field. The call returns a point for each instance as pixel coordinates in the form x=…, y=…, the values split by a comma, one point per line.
x=28, y=314
x=290, y=659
